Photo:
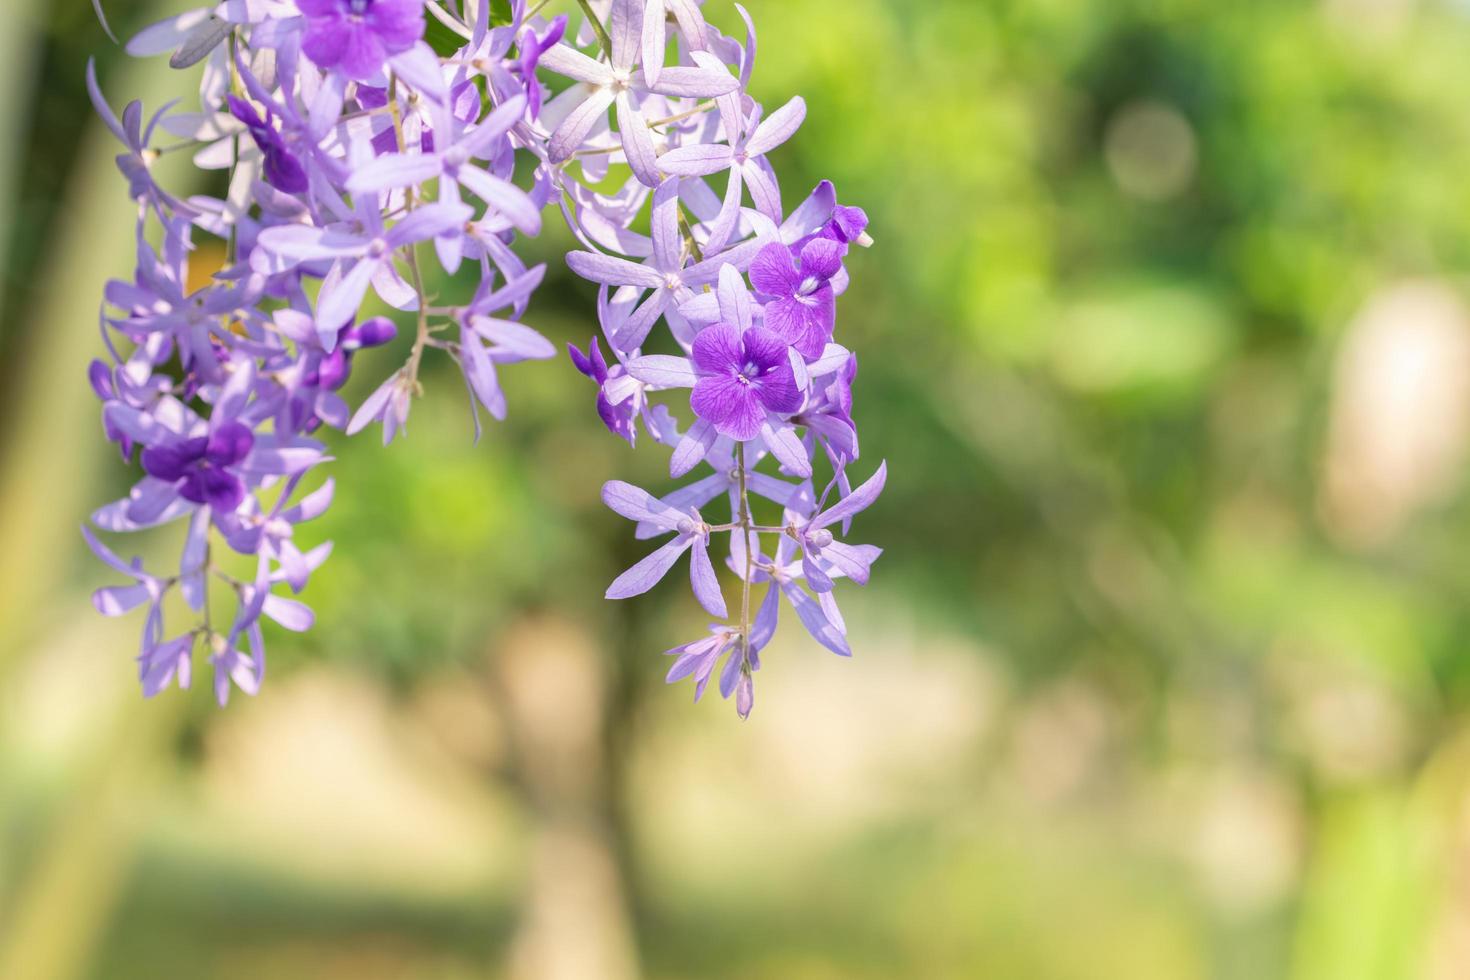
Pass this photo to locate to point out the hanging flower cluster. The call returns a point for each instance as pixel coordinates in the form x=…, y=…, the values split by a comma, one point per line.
x=362, y=143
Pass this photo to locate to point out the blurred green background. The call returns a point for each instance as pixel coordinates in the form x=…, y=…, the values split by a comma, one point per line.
x=1162, y=676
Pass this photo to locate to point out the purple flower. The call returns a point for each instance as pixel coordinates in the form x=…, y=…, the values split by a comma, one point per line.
x=218, y=374
x=821, y=552
x=665, y=272
x=531, y=48
x=802, y=308
x=745, y=158
x=359, y=35
x=336, y=366
x=201, y=467
x=165, y=662
x=388, y=404
x=282, y=170
x=690, y=531
x=618, y=418
x=618, y=84
x=363, y=251
x=819, y=616
x=449, y=162
x=743, y=379
x=698, y=660
x=827, y=416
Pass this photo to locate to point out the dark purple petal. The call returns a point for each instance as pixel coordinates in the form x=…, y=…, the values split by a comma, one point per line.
x=374, y=332
x=804, y=322
x=171, y=462
x=220, y=489
x=730, y=403
x=245, y=112
x=617, y=418
x=229, y=443
x=848, y=223
x=860, y=499
x=773, y=271
x=718, y=349
x=582, y=363
x=333, y=371
x=778, y=392
x=282, y=170
x=764, y=349
x=101, y=377
x=822, y=258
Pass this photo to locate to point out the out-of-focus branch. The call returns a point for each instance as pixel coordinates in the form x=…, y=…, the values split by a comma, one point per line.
x=19, y=44
x=48, y=484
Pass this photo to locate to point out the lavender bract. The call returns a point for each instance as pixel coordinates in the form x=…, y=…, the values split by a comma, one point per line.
x=362, y=164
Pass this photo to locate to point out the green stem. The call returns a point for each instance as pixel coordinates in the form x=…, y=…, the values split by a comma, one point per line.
x=746, y=529
x=597, y=28
x=411, y=256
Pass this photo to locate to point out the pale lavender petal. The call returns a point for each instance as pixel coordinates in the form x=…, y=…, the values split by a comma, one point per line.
x=514, y=338
x=637, y=141
x=563, y=59
x=428, y=220
x=728, y=220
x=115, y=600
x=631, y=334
x=854, y=561
x=419, y=66
x=783, y=442
x=777, y=128
x=647, y=573
x=766, y=618
x=816, y=575
x=499, y=122
x=395, y=170
x=663, y=370
x=691, y=22
x=373, y=406
x=815, y=620
x=692, y=448
x=736, y=307
x=654, y=39
x=637, y=504
x=668, y=243
x=303, y=243
x=578, y=123
x=613, y=271
x=834, y=358
x=339, y=301
x=313, y=505
x=696, y=160
x=289, y=613
x=697, y=83
x=764, y=189
x=504, y=197
x=702, y=578
x=624, y=25
x=479, y=371
x=165, y=35
x=191, y=565
x=860, y=499
x=393, y=289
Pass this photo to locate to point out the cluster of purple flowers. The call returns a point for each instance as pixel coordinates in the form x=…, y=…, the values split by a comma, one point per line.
x=357, y=154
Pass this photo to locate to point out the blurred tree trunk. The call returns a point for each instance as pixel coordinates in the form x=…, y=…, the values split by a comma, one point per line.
x=575, y=919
